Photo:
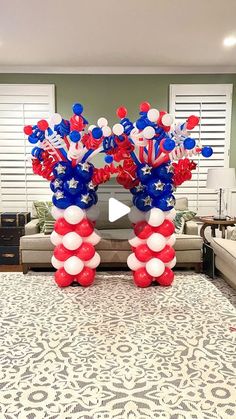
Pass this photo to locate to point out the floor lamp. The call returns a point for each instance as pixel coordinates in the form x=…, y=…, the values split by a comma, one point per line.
x=221, y=179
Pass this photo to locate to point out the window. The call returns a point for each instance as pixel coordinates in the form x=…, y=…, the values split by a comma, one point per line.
x=212, y=103
x=21, y=105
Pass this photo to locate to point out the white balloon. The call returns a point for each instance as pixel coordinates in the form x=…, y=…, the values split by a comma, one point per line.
x=94, y=262
x=170, y=215
x=93, y=213
x=57, y=264
x=57, y=212
x=73, y=214
x=171, y=240
x=156, y=242
x=155, y=217
x=155, y=267
x=118, y=129
x=134, y=240
x=55, y=238
x=106, y=131
x=167, y=120
x=148, y=133
x=102, y=122
x=94, y=238
x=133, y=263
x=172, y=263
x=56, y=119
x=135, y=215
x=153, y=115
x=73, y=265
x=91, y=127
x=72, y=241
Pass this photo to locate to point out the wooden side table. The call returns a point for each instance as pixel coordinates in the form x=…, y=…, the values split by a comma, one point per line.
x=215, y=224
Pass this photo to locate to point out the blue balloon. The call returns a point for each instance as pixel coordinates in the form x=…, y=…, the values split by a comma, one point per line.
x=63, y=128
x=207, y=151
x=56, y=184
x=94, y=197
x=165, y=203
x=84, y=172
x=73, y=186
x=75, y=136
x=84, y=200
x=155, y=188
x=189, y=143
x=77, y=108
x=33, y=139
x=108, y=159
x=60, y=200
x=168, y=188
x=144, y=173
x=164, y=172
x=91, y=187
x=97, y=133
x=169, y=144
x=62, y=170
x=139, y=189
x=141, y=123
x=143, y=202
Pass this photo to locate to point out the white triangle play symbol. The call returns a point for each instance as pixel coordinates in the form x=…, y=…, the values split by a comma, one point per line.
x=117, y=209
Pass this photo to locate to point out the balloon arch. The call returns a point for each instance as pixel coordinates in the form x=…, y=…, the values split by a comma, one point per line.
x=149, y=157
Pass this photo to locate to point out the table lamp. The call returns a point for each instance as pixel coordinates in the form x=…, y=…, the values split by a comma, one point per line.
x=220, y=179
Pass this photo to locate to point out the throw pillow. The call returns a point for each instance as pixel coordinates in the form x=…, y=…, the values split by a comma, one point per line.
x=233, y=235
x=181, y=218
x=44, y=215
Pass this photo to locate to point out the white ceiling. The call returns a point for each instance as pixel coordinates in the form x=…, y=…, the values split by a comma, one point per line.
x=111, y=33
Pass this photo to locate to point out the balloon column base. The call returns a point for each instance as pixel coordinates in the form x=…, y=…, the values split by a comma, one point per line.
x=74, y=256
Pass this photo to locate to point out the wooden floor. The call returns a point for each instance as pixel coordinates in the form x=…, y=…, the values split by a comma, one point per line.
x=10, y=268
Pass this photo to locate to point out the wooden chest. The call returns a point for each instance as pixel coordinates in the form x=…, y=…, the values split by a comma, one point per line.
x=10, y=244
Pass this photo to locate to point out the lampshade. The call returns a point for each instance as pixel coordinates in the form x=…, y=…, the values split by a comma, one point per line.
x=221, y=178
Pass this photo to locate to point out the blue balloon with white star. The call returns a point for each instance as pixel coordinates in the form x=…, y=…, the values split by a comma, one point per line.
x=143, y=202
x=155, y=188
x=62, y=170
x=56, y=184
x=91, y=187
x=165, y=203
x=84, y=200
x=73, y=186
x=138, y=189
x=60, y=200
x=164, y=172
x=84, y=171
x=144, y=173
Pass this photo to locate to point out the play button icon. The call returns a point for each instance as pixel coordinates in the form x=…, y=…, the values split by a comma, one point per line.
x=117, y=209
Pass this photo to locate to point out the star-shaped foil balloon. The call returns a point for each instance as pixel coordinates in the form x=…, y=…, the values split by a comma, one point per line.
x=139, y=188
x=85, y=166
x=146, y=170
x=59, y=194
x=159, y=186
x=57, y=183
x=72, y=183
x=147, y=201
x=60, y=169
x=170, y=202
x=86, y=198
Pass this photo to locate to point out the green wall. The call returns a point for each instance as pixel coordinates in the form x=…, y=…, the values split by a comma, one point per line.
x=102, y=94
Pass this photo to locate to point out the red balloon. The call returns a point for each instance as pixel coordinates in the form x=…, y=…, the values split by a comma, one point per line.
x=144, y=107
x=166, y=254
x=121, y=112
x=62, y=227
x=143, y=253
x=86, y=277
x=166, y=228
x=86, y=251
x=142, y=278
x=61, y=253
x=143, y=230
x=84, y=228
x=42, y=125
x=62, y=278
x=166, y=278
x=28, y=129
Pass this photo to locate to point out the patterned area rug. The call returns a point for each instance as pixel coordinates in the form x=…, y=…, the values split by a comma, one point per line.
x=116, y=351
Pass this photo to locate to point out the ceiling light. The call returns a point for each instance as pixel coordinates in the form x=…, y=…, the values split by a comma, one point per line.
x=230, y=41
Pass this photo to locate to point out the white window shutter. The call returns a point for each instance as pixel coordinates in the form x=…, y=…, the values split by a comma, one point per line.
x=21, y=105
x=213, y=104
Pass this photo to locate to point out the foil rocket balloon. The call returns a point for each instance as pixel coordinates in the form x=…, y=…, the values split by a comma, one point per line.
x=147, y=157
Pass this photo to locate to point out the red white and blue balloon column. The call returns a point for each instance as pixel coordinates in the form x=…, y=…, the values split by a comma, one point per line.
x=151, y=174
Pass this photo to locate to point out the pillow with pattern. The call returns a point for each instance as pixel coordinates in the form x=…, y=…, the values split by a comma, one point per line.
x=46, y=220
x=233, y=235
x=181, y=218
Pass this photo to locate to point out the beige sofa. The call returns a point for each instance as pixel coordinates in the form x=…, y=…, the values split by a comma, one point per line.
x=36, y=248
x=225, y=257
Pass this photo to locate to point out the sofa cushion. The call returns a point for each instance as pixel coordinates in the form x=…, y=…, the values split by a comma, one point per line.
x=225, y=249
x=44, y=215
x=111, y=240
